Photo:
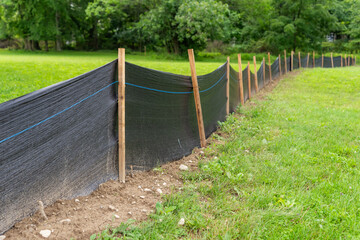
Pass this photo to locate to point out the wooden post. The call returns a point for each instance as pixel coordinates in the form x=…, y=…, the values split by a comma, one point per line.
x=197, y=98
x=121, y=113
x=299, y=60
x=256, y=79
x=332, y=60
x=308, y=59
x=249, y=80
x=313, y=59
x=345, y=60
x=341, y=64
x=264, y=71
x=280, y=64
x=269, y=66
x=322, y=60
x=292, y=61
x=228, y=86
x=241, y=81
x=352, y=60
x=285, y=61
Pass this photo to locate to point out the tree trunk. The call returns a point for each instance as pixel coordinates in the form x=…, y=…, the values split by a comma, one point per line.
x=58, y=36
x=46, y=45
x=176, y=46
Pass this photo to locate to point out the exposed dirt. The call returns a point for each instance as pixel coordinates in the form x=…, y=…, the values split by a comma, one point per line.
x=113, y=202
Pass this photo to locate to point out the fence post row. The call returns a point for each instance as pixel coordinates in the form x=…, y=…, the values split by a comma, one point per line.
x=228, y=86
x=269, y=66
x=121, y=113
x=299, y=60
x=197, y=98
x=256, y=79
x=241, y=86
x=332, y=60
x=285, y=61
x=308, y=59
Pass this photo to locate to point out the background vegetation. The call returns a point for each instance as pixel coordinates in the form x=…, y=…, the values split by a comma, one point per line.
x=218, y=26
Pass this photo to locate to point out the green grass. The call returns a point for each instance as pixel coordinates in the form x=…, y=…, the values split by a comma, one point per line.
x=288, y=169
x=24, y=72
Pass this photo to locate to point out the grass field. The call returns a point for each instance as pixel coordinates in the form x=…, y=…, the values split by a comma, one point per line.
x=288, y=169
x=24, y=72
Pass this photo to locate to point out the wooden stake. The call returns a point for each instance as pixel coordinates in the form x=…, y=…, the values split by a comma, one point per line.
x=341, y=64
x=345, y=60
x=249, y=80
x=241, y=81
x=264, y=71
x=228, y=86
x=280, y=64
x=197, y=98
x=313, y=59
x=332, y=60
x=121, y=113
x=256, y=79
x=308, y=59
x=292, y=61
x=352, y=60
x=322, y=60
x=269, y=66
x=299, y=60
x=285, y=61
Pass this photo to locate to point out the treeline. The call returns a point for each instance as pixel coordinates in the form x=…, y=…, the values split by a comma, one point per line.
x=176, y=25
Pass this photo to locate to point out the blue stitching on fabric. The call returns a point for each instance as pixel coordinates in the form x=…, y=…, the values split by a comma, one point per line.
x=27, y=129
x=163, y=91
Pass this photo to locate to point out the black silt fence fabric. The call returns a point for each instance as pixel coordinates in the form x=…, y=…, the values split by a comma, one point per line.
x=160, y=126
x=295, y=63
x=57, y=143
x=260, y=76
x=267, y=74
x=245, y=84
x=275, y=70
x=234, y=90
x=304, y=61
x=337, y=61
x=253, y=89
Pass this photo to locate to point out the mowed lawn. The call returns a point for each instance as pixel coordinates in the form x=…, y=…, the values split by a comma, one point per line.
x=288, y=168
x=24, y=72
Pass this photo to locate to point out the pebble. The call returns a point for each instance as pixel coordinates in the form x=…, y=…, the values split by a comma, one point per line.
x=77, y=200
x=182, y=221
x=144, y=210
x=183, y=167
x=159, y=191
x=147, y=190
x=116, y=216
x=102, y=196
x=164, y=183
x=215, y=158
x=139, y=187
x=143, y=197
x=45, y=233
x=201, y=152
x=65, y=221
x=112, y=208
x=133, y=202
x=2, y=237
x=129, y=213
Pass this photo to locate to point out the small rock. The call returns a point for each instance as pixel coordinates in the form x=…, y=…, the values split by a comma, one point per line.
x=139, y=187
x=101, y=207
x=116, y=216
x=2, y=237
x=77, y=200
x=112, y=208
x=65, y=221
x=215, y=158
x=144, y=210
x=45, y=233
x=129, y=213
x=86, y=200
x=201, y=152
x=164, y=183
x=159, y=191
x=147, y=190
x=182, y=221
x=63, y=203
x=183, y=167
x=190, y=161
x=133, y=203
x=102, y=196
x=143, y=197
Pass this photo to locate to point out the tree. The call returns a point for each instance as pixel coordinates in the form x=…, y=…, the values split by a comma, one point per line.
x=179, y=25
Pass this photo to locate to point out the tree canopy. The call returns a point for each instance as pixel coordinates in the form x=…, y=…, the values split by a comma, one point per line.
x=175, y=25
